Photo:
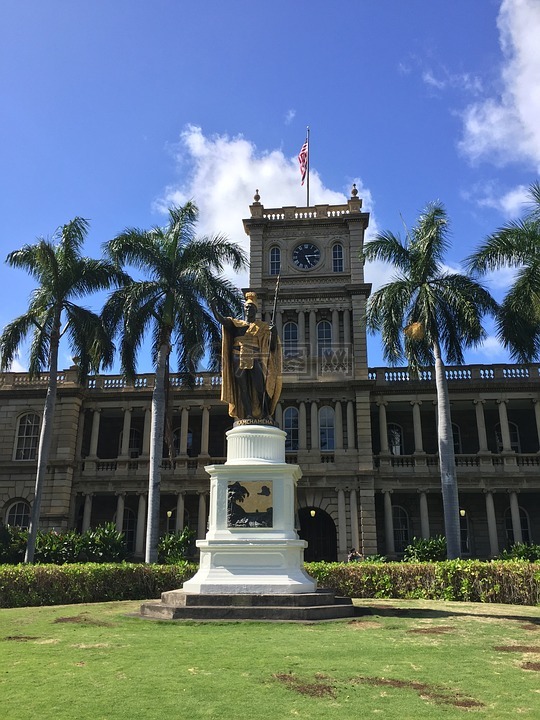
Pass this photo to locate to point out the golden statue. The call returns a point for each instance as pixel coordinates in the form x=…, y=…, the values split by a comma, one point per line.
x=250, y=364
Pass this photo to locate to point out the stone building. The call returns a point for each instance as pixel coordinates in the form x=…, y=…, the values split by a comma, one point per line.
x=364, y=437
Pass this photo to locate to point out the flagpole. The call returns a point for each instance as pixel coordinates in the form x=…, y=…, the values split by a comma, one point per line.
x=308, y=161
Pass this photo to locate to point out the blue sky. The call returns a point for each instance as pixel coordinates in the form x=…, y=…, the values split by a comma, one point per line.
x=113, y=109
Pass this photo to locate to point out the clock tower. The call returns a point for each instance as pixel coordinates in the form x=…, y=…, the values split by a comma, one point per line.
x=324, y=406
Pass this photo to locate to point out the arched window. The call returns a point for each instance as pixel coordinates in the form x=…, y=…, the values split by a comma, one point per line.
x=275, y=261
x=290, y=425
x=324, y=335
x=327, y=440
x=523, y=521
x=456, y=433
x=337, y=258
x=290, y=339
x=400, y=523
x=395, y=439
x=18, y=514
x=27, y=437
x=515, y=443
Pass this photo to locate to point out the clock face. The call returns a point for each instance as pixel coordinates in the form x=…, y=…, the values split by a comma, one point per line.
x=306, y=255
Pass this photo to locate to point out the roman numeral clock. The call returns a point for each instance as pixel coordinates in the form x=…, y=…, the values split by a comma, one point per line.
x=306, y=255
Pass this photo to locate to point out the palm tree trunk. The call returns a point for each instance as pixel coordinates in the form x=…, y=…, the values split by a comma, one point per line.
x=447, y=462
x=45, y=439
x=156, y=454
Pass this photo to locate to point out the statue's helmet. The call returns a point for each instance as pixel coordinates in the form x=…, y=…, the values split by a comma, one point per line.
x=251, y=299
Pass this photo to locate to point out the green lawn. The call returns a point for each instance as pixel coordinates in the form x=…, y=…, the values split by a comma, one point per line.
x=404, y=659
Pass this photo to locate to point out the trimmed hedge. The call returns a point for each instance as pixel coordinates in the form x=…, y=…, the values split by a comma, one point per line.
x=515, y=583
x=27, y=585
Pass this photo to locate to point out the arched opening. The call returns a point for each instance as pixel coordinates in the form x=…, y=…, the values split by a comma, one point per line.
x=318, y=528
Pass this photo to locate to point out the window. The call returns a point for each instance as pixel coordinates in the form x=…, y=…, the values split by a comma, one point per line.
x=176, y=441
x=18, y=514
x=395, y=439
x=400, y=523
x=324, y=335
x=135, y=443
x=275, y=261
x=27, y=437
x=290, y=425
x=129, y=528
x=326, y=428
x=337, y=258
x=464, y=532
x=290, y=338
x=523, y=521
x=456, y=433
x=515, y=444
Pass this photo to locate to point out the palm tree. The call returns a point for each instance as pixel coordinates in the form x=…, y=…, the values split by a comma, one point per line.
x=517, y=245
x=424, y=313
x=63, y=276
x=182, y=274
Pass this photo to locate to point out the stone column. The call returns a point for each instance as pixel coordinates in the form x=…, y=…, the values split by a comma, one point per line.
x=205, y=430
x=302, y=426
x=279, y=415
x=87, y=513
x=350, y=426
x=146, y=431
x=516, y=520
x=201, y=529
x=279, y=323
x=424, y=516
x=505, y=429
x=184, y=426
x=481, y=426
x=417, y=427
x=126, y=430
x=314, y=426
x=301, y=329
x=353, y=505
x=179, y=526
x=342, y=524
x=94, y=437
x=388, y=523
x=120, y=512
x=335, y=328
x=537, y=418
x=141, y=525
x=492, y=525
x=347, y=327
x=313, y=334
x=383, y=427
x=338, y=416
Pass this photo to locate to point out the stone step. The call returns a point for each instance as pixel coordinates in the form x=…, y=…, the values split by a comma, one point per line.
x=161, y=611
x=180, y=598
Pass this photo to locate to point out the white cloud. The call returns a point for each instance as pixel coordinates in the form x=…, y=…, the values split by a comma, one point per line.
x=489, y=351
x=506, y=128
x=511, y=204
x=223, y=174
x=289, y=116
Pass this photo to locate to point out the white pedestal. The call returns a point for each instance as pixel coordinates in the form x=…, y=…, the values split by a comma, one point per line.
x=251, y=545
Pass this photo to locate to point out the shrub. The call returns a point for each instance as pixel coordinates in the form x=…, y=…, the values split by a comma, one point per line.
x=464, y=580
x=13, y=542
x=28, y=585
x=175, y=547
x=102, y=544
x=522, y=551
x=425, y=550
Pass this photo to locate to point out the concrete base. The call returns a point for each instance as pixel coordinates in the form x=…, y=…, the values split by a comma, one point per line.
x=179, y=605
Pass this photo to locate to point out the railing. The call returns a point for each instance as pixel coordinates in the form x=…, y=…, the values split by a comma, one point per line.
x=462, y=461
x=465, y=373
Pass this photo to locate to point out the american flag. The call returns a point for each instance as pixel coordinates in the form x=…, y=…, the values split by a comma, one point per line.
x=303, y=160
